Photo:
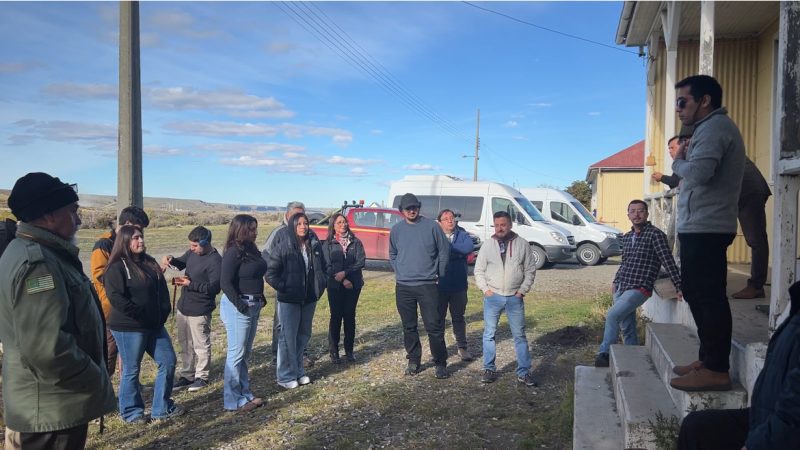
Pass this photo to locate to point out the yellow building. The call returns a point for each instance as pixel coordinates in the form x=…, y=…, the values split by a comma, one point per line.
x=735, y=42
x=616, y=181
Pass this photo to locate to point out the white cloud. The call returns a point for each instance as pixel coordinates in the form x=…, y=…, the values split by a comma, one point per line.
x=594, y=113
x=277, y=48
x=358, y=171
x=376, y=132
x=340, y=160
x=232, y=102
x=271, y=164
x=421, y=167
x=19, y=67
x=511, y=124
x=541, y=104
x=251, y=149
x=171, y=19
x=99, y=135
x=159, y=150
x=338, y=135
x=82, y=91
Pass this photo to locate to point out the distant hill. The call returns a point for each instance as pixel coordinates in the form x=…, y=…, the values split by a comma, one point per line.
x=164, y=204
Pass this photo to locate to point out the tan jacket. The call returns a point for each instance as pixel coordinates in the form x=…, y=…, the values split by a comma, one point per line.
x=507, y=278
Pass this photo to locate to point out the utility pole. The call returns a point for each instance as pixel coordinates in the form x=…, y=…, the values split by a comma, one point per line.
x=477, y=145
x=129, y=156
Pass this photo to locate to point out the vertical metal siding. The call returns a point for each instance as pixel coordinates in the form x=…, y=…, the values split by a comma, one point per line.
x=616, y=191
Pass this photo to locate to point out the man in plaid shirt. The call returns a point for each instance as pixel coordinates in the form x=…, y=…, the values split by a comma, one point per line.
x=644, y=251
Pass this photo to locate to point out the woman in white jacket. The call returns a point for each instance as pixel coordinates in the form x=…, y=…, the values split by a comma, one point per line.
x=504, y=271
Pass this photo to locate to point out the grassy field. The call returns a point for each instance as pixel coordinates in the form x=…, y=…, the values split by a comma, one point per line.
x=370, y=404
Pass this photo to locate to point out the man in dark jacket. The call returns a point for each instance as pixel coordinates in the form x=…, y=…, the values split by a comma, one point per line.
x=200, y=287
x=453, y=286
x=51, y=323
x=773, y=419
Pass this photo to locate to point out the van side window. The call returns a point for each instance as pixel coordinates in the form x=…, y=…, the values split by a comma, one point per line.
x=390, y=220
x=562, y=212
x=502, y=204
x=469, y=208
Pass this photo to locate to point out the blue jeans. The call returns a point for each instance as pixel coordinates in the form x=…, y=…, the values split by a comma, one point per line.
x=515, y=311
x=132, y=346
x=241, y=331
x=622, y=314
x=295, y=333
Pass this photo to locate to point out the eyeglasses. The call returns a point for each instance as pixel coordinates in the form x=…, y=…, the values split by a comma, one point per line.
x=680, y=103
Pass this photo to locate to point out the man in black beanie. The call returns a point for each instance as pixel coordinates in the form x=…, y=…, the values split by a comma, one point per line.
x=51, y=323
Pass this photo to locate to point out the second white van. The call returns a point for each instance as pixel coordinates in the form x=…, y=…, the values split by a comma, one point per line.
x=596, y=242
x=477, y=201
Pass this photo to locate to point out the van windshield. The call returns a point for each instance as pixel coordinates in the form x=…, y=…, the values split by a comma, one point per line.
x=530, y=209
x=584, y=212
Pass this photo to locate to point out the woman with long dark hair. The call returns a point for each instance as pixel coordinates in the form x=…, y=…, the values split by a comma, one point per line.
x=345, y=259
x=242, y=282
x=296, y=270
x=139, y=308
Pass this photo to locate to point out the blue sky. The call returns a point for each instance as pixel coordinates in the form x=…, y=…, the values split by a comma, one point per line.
x=242, y=104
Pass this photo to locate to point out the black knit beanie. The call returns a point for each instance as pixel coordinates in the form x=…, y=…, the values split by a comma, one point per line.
x=37, y=194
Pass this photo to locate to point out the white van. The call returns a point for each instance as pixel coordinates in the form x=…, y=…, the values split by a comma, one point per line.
x=595, y=241
x=477, y=201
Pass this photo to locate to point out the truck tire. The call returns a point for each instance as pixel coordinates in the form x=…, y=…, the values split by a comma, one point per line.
x=588, y=254
x=539, y=256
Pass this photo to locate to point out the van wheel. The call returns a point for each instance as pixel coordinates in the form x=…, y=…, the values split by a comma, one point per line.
x=539, y=256
x=588, y=254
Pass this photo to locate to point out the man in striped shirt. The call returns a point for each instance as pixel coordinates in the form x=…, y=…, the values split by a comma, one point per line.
x=644, y=251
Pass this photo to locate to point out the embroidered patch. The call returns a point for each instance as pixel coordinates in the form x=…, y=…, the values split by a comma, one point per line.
x=39, y=284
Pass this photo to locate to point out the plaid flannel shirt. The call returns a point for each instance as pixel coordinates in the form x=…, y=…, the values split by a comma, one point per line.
x=642, y=256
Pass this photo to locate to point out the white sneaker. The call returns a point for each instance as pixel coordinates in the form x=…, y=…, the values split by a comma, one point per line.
x=289, y=384
x=304, y=380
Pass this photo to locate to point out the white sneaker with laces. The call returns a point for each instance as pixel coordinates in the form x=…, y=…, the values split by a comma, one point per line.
x=304, y=380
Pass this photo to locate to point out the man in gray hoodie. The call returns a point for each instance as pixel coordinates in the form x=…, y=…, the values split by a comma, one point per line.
x=711, y=170
x=419, y=252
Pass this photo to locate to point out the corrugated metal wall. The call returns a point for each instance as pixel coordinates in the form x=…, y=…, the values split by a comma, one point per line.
x=616, y=190
x=735, y=67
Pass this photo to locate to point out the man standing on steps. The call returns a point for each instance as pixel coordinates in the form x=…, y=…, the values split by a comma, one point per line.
x=419, y=252
x=711, y=170
x=504, y=271
x=644, y=251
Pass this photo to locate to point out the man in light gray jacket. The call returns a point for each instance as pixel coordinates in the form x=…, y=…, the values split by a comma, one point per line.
x=711, y=170
x=504, y=271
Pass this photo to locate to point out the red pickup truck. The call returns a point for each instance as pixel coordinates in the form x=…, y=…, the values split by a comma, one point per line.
x=372, y=226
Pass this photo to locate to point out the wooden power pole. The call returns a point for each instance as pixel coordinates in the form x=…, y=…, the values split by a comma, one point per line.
x=477, y=145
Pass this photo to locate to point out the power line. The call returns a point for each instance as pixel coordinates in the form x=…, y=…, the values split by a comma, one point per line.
x=572, y=36
x=326, y=35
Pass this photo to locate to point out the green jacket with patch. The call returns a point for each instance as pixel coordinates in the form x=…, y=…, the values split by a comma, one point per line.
x=51, y=326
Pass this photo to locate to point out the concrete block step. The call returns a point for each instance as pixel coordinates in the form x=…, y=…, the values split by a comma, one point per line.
x=673, y=344
x=596, y=424
x=640, y=396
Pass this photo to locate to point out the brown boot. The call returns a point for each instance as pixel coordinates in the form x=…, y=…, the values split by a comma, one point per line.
x=683, y=370
x=465, y=354
x=702, y=380
x=749, y=292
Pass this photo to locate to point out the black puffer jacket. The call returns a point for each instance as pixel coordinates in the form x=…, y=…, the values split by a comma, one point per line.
x=286, y=270
x=137, y=304
x=351, y=262
x=775, y=404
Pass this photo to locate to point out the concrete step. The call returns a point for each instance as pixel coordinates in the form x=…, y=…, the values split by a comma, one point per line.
x=673, y=344
x=750, y=331
x=596, y=424
x=640, y=396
